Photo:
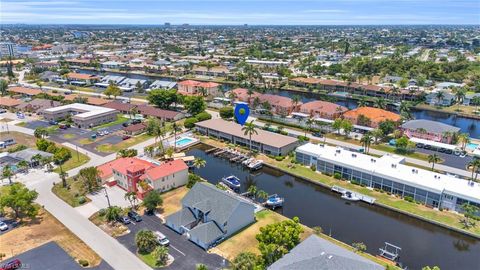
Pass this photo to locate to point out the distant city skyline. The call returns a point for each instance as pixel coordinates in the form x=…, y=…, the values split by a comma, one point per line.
x=229, y=12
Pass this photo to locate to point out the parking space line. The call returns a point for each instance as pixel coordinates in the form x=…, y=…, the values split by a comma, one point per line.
x=178, y=250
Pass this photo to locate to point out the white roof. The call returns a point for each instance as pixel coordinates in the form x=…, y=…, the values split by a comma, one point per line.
x=84, y=110
x=391, y=167
x=433, y=143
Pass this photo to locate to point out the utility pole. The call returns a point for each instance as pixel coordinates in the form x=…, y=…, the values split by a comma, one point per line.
x=78, y=156
x=106, y=196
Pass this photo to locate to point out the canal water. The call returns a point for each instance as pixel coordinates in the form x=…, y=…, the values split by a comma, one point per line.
x=422, y=243
x=467, y=125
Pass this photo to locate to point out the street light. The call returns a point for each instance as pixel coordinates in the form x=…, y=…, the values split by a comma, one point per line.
x=106, y=196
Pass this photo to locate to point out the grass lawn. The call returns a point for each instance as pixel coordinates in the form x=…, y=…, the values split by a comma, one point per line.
x=43, y=229
x=84, y=141
x=111, y=148
x=445, y=217
x=172, y=200
x=246, y=237
x=69, y=136
x=20, y=138
x=120, y=120
x=389, y=149
x=51, y=129
x=21, y=124
x=148, y=259
x=72, y=194
x=74, y=161
x=114, y=230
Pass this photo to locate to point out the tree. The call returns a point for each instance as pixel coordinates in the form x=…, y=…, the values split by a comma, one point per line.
x=474, y=165
x=469, y=211
x=366, y=141
x=163, y=98
x=149, y=150
x=89, y=177
x=20, y=199
x=309, y=124
x=7, y=172
x=347, y=127
x=131, y=197
x=3, y=87
x=249, y=129
x=405, y=109
x=245, y=261
x=277, y=239
x=112, y=90
x=199, y=163
x=190, y=122
x=262, y=194
x=152, y=200
x=113, y=213
x=380, y=103
x=377, y=134
x=40, y=133
x=433, y=159
x=226, y=112
x=359, y=247
x=464, y=138
x=61, y=155
x=176, y=128
x=362, y=102
x=145, y=241
x=192, y=180
x=155, y=128
x=123, y=153
x=201, y=266
x=252, y=190
x=194, y=104
x=203, y=116
x=430, y=268
x=387, y=126
x=160, y=253
x=63, y=176
x=139, y=87
x=23, y=165
x=337, y=125
x=317, y=230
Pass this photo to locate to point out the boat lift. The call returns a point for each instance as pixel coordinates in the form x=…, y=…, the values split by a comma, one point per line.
x=390, y=252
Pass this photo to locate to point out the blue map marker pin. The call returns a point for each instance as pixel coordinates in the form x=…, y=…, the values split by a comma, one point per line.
x=241, y=113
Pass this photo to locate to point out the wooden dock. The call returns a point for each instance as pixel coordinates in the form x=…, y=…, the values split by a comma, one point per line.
x=362, y=197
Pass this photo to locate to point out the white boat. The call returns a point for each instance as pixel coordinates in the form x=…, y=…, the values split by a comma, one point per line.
x=274, y=201
x=248, y=161
x=232, y=182
x=350, y=196
x=255, y=165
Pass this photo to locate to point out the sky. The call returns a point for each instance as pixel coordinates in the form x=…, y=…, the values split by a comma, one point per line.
x=238, y=12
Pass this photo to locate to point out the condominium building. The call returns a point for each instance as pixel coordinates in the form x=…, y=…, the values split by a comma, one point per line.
x=83, y=115
x=389, y=173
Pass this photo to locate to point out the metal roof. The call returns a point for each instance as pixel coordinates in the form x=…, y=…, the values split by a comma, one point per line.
x=430, y=126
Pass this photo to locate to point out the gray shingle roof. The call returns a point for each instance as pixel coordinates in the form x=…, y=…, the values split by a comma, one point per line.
x=207, y=197
x=182, y=217
x=315, y=253
x=28, y=153
x=430, y=126
x=207, y=232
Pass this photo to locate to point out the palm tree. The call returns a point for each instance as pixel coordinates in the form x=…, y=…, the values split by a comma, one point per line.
x=459, y=95
x=440, y=95
x=149, y=150
x=464, y=139
x=366, y=141
x=249, y=129
x=252, y=190
x=199, y=163
x=475, y=166
x=47, y=161
x=36, y=159
x=131, y=197
x=295, y=100
x=309, y=124
x=8, y=173
x=23, y=165
x=63, y=175
x=380, y=103
x=176, y=128
x=262, y=194
x=249, y=93
x=405, y=109
x=433, y=159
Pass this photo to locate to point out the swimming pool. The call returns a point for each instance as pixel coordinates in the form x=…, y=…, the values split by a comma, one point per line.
x=471, y=146
x=185, y=141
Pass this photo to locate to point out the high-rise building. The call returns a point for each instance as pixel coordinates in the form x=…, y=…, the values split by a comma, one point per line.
x=8, y=49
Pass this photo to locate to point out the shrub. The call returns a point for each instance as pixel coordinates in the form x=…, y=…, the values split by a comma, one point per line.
x=303, y=138
x=203, y=116
x=82, y=200
x=284, y=132
x=313, y=167
x=279, y=158
x=337, y=175
x=226, y=112
x=102, y=212
x=408, y=199
x=17, y=148
x=190, y=122
x=83, y=262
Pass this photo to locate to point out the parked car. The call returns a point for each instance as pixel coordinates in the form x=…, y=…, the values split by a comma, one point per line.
x=136, y=121
x=11, y=265
x=3, y=111
x=134, y=216
x=126, y=124
x=124, y=220
x=125, y=137
x=63, y=126
x=420, y=145
x=449, y=151
x=162, y=239
x=442, y=150
x=317, y=134
x=52, y=122
x=3, y=226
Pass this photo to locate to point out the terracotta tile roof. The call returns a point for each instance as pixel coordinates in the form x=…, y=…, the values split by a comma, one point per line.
x=9, y=102
x=143, y=109
x=122, y=165
x=323, y=106
x=208, y=84
x=307, y=80
x=165, y=169
x=24, y=90
x=81, y=76
x=277, y=100
x=373, y=114
x=198, y=84
x=90, y=100
x=136, y=127
x=189, y=83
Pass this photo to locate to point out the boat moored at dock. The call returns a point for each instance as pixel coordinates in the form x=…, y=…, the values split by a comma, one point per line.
x=232, y=182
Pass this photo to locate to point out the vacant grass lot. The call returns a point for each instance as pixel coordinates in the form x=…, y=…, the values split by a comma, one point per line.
x=113, y=229
x=74, y=161
x=19, y=137
x=72, y=194
x=172, y=200
x=111, y=148
x=45, y=228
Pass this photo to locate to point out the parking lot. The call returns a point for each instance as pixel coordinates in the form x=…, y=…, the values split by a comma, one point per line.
x=10, y=223
x=51, y=256
x=450, y=160
x=186, y=254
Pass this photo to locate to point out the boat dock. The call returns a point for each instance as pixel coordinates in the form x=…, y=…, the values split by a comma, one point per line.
x=235, y=156
x=362, y=197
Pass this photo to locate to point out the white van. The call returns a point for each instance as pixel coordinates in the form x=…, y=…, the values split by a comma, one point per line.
x=162, y=239
x=7, y=142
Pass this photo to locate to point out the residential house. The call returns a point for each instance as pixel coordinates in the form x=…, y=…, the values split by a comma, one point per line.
x=322, y=109
x=28, y=155
x=469, y=98
x=218, y=71
x=38, y=105
x=191, y=87
x=131, y=84
x=429, y=130
x=24, y=91
x=316, y=253
x=81, y=79
x=166, y=176
x=159, y=84
x=146, y=111
x=445, y=99
x=9, y=103
x=241, y=94
x=135, y=129
x=374, y=115
x=210, y=215
x=280, y=105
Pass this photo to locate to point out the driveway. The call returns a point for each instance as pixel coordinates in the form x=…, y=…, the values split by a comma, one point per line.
x=187, y=255
x=51, y=256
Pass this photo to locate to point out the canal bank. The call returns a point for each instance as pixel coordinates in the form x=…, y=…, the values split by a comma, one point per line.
x=422, y=243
